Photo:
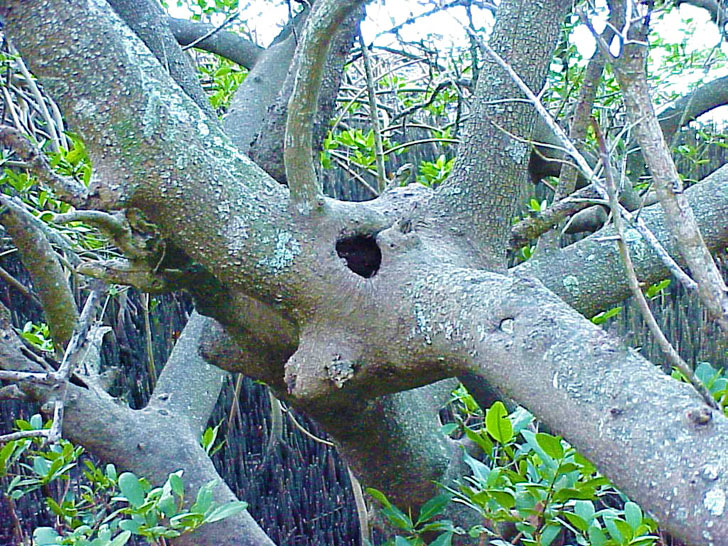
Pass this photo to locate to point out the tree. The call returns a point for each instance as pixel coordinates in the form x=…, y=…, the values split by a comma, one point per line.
x=347, y=310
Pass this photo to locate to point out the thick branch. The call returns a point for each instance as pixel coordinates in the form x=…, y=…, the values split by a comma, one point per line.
x=224, y=43
x=481, y=195
x=572, y=375
x=267, y=150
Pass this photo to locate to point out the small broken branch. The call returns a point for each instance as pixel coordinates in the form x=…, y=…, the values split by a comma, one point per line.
x=113, y=225
x=72, y=356
x=121, y=271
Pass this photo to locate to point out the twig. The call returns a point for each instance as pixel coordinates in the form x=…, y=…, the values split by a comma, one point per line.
x=213, y=31
x=665, y=346
x=57, y=140
x=12, y=281
x=357, y=176
x=5, y=438
x=373, y=115
x=630, y=72
x=300, y=427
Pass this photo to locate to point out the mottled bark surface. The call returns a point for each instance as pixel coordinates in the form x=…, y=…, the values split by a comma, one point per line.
x=427, y=311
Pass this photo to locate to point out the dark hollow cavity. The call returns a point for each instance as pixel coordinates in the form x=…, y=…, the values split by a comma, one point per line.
x=361, y=253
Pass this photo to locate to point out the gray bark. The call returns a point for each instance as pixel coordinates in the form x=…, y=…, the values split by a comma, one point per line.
x=426, y=315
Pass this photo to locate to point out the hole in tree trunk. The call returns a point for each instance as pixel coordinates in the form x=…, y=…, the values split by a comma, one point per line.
x=361, y=253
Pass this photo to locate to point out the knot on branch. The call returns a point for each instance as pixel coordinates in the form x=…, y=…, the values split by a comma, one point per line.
x=399, y=238
x=321, y=367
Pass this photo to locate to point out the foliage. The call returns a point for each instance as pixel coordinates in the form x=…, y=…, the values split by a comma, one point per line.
x=220, y=78
x=356, y=146
x=529, y=481
x=38, y=335
x=714, y=379
x=415, y=529
x=435, y=172
x=106, y=508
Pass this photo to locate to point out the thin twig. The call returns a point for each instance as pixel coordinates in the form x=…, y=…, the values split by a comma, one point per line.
x=586, y=169
x=373, y=115
x=665, y=346
x=213, y=31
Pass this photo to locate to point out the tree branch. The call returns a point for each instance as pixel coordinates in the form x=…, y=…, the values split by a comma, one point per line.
x=481, y=196
x=227, y=44
x=302, y=107
x=42, y=263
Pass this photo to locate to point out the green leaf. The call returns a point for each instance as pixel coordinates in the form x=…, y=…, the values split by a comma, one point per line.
x=121, y=539
x=480, y=471
x=597, y=536
x=225, y=511
x=433, y=507
x=633, y=514
x=176, y=483
x=398, y=518
x=497, y=423
x=585, y=510
x=504, y=498
x=444, y=539
x=45, y=536
x=400, y=541
x=483, y=441
x=550, y=444
x=576, y=521
x=448, y=428
x=130, y=525
x=379, y=497
x=549, y=534
x=131, y=488
x=204, y=498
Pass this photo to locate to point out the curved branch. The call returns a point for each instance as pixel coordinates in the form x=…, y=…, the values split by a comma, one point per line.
x=267, y=150
x=303, y=105
x=42, y=263
x=227, y=44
